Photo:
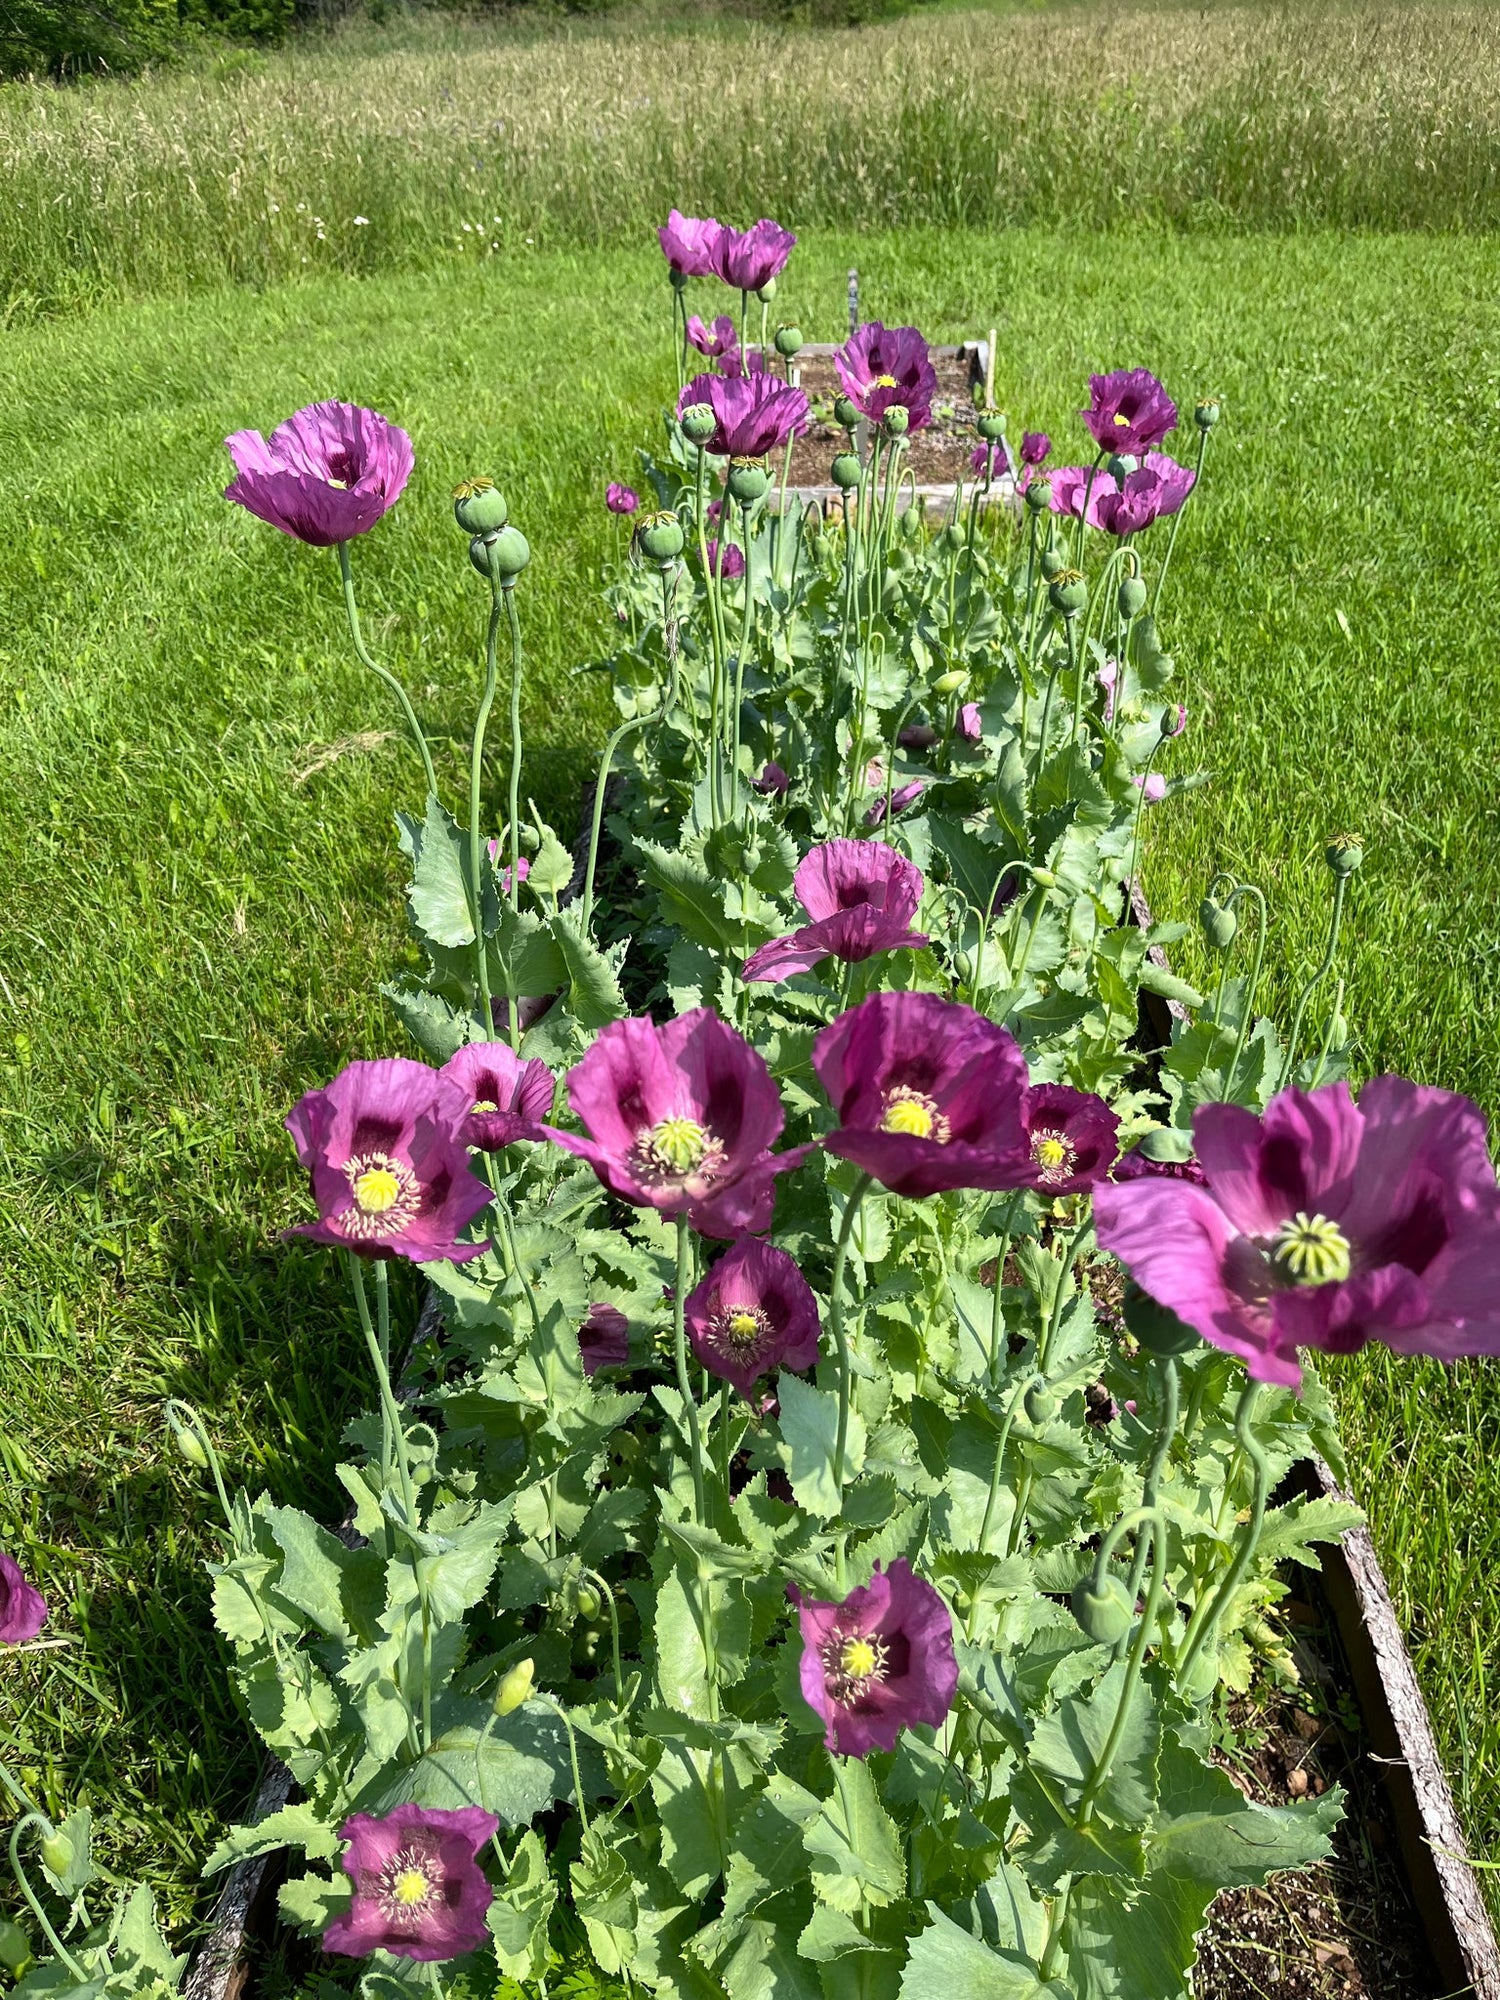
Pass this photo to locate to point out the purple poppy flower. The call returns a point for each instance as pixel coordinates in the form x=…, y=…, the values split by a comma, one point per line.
x=688, y=243
x=1152, y=787
x=879, y=1662
x=1071, y=484
x=750, y=258
x=719, y=342
x=881, y=367
x=861, y=896
x=1035, y=446
x=390, y=1167
x=1108, y=678
x=733, y=562
x=326, y=475
x=621, y=499
x=419, y=1891
x=1073, y=1138
x=774, y=780
x=755, y=414
x=1129, y=411
x=970, y=722
x=23, y=1609
x=1156, y=488
x=604, y=1338
x=989, y=460
x=682, y=1119
x=1324, y=1223
x=929, y=1095
x=753, y=1312
x=507, y=1098
x=1134, y=1166
x=901, y=798
x=915, y=736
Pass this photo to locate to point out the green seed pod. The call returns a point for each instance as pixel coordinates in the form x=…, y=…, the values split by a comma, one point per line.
x=788, y=341
x=896, y=422
x=1344, y=853
x=698, y=423
x=1121, y=466
x=515, y=1687
x=1218, y=925
x=1041, y=1404
x=479, y=507
x=1206, y=414
x=1201, y=1678
x=911, y=521
x=845, y=413
x=1039, y=495
x=1053, y=563
x=1068, y=593
x=990, y=426
x=847, y=471
x=58, y=1854
x=951, y=683
x=659, y=537
x=748, y=480
x=1105, y=1614
x=1131, y=598
x=509, y=554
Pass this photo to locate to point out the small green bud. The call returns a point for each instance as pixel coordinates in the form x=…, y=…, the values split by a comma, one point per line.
x=1344, y=853
x=1121, y=465
x=1053, y=563
x=911, y=521
x=509, y=554
x=1068, y=593
x=1044, y=878
x=1131, y=598
x=819, y=547
x=788, y=341
x=58, y=1854
x=1039, y=495
x=515, y=1687
x=896, y=422
x=15, y=1947
x=748, y=480
x=1168, y=1144
x=189, y=1444
x=479, y=507
x=589, y=1606
x=845, y=413
x=990, y=426
x=698, y=423
x=767, y=292
x=1206, y=414
x=659, y=537
x=951, y=683
x=1105, y=1614
x=952, y=538
x=1218, y=925
x=847, y=471
x=1201, y=1678
x=1041, y=1404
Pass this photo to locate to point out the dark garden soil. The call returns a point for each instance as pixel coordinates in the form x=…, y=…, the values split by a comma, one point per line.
x=937, y=455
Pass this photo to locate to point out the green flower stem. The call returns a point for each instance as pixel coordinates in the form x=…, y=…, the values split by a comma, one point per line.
x=997, y=1305
x=1320, y=973
x=715, y=634
x=992, y=1501
x=1099, y=1777
x=1166, y=1430
x=1326, y=1046
x=840, y=1334
x=1247, y=889
x=366, y=660
x=1057, y=1923
x=684, y=1385
x=567, y=1722
x=747, y=624
x=726, y=1419
x=1075, y=668
x=1166, y=561
x=508, y=591
x=1046, y=722
x=1140, y=807
x=178, y=1412
x=984, y=931
x=380, y=1356
x=596, y=824
x=1210, y=893
x=1031, y=577
x=1083, y=512
x=476, y=836
x=1124, y=557
x=614, y=1632
x=1210, y=1610
x=23, y=1882
x=1060, y=1301
x=513, y=1263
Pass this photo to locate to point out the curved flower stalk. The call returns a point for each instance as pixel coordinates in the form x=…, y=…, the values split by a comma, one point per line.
x=419, y=1891
x=1324, y=1223
x=753, y=1313
x=879, y=1662
x=861, y=896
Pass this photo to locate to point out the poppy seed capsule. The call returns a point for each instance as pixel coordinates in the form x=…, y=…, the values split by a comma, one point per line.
x=990, y=426
x=1201, y=1678
x=1053, y=563
x=1219, y=926
x=698, y=423
x=659, y=537
x=1041, y=1404
x=1105, y=1614
x=747, y=482
x=845, y=413
x=1345, y=853
x=479, y=507
x=846, y=472
x=952, y=537
x=896, y=421
x=1039, y=495
x=589, y=1606
x=509, y=554
x=1132, y=597
x=1068, y=593
x=788, y=341
x=189, y=1444
x=1206, y=413
x=515, y=1687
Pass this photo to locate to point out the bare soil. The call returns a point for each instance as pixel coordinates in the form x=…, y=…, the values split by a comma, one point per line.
x=937, y=455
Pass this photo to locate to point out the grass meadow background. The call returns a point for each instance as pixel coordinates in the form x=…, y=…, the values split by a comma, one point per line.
x=197, y=782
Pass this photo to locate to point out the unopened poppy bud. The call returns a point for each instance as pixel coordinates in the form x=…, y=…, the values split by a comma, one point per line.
x=766, y=292
x=952, y=538
x=1039, y=495
x=659, y=537
x=1131, y=597
x=1206, y=413
x=896, y=422
x=1068, y=593
x=58, y=1854
x=509, y=554
x=1053, y=562
x=515, y=1687
x=1201, y=1678
x=1121, y=465
x=1219, y=925
x=788, y=341
x=951, y=683
x=990, y=425
x=1041, y=1404
x=15, y=1948
x=189, y=1444
x=845, y=413
x=679, y=279
x=698, y=423
x=1344, y=853
x=1105, y=1614
x=819, y=547
x=846, y=471
x=589, y=1606
x=479, y=507
x=911, y=521
x=747, y=481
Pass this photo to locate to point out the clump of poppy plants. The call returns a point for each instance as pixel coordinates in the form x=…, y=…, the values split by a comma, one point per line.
x=777, y=1556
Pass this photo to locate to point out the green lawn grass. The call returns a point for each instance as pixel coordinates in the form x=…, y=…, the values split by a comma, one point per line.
x=195, y=928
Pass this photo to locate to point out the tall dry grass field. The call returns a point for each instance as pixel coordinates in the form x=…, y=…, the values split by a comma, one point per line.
x=347, y=155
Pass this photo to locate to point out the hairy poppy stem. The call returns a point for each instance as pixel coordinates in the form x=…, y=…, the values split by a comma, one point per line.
x=1211, y=1608
x=366, y=660
x=684, y=1384
x=1156, y=1526
x=23, y=1882
x=476, y=837
x=840, y=1335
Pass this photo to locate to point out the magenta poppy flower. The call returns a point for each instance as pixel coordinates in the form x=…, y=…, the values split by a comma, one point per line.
x=901, y=798
x=1108, y=678
x=621, y=499
x=1129, y=411
x=750, y=258
x=419, y=1891
x=604, y=1338
x=882, y=367
x=754, y=414
x=861, y=896
x=774, y=781
x=682, y=1119
x=390, y=1167
x=23, y=1609
x=1072, y=484
x=1072, y=1136
x=753, y=1312
x=1154, y=489
x=970, y=722
x=879, y=1662
x=989, y=460
x=928, y=1094
x=732, y=564
x=1035, y=446
x=327, y=474
x=688, y=243
x=1324, y=1223
x=523, y=866
x=507, y=1098
x=1134, y=1166
x=719, y=342
x=1152, y=787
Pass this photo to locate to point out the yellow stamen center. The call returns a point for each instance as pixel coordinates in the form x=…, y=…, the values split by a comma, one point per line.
x=858, y=1659
x=853, y=1662
x=342, y=485
x=1312, y=1250
x=1053, y=1155
x=1122, y=421
x=743, y=1327
x=410, y=1887
x=914, y=1115
x=884, y=382
x=678, y=1143
x=376, y=1190
x=387, y=1196
x=484, y=1104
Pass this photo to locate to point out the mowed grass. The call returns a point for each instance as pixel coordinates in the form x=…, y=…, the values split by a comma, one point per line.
x=198, y=920
x=441, y=143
